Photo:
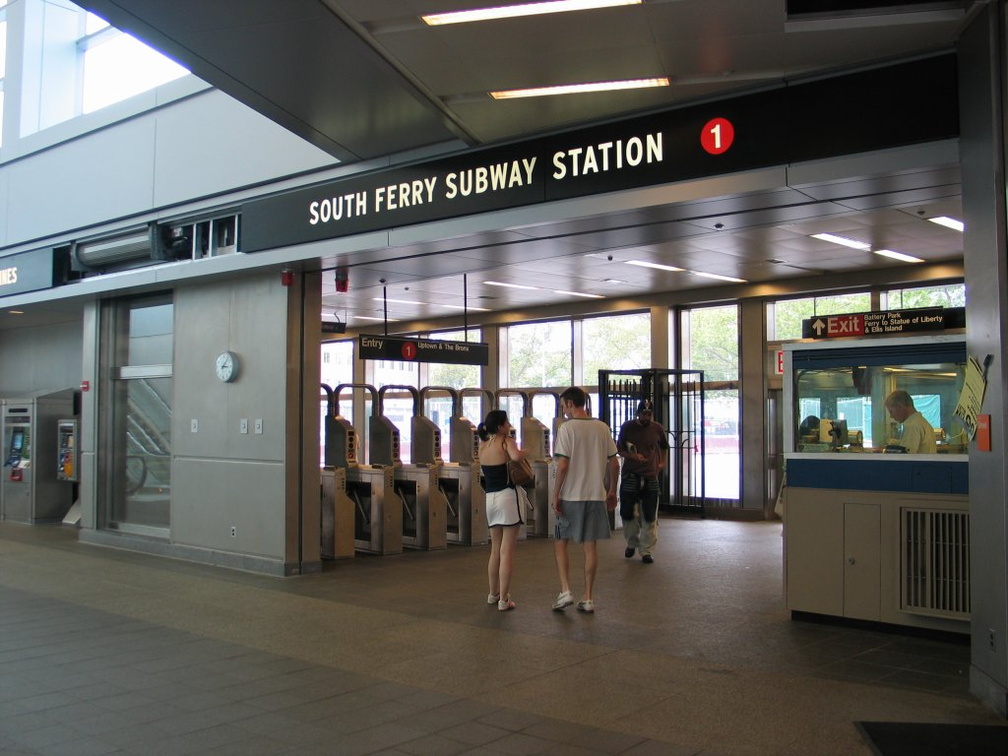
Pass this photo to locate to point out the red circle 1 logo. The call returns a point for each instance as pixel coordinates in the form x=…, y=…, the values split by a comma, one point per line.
x=409, y=351
x=717, y=135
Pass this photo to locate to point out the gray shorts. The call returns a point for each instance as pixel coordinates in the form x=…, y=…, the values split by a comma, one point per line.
x=582, y=521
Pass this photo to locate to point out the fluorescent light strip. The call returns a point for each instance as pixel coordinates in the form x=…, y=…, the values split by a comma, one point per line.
x=428, y=304
x=843, y=241
x=368, y=317
x=897, y=255
x=718, y=277
x=510, y=285
x=516, y=11
x=656, y=266
x=399, y=301
x=578, y=294
x=944, y=220
x=600, y=86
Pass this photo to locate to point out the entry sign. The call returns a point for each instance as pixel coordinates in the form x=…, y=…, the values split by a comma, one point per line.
x=423, y=350
x=887, y=323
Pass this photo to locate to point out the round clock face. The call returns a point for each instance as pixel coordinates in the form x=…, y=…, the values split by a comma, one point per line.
x=227, y=366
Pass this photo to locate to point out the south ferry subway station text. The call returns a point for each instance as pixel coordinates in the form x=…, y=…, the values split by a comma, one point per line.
x=509, y=174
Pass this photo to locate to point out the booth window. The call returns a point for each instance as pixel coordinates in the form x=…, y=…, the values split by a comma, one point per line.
x=839, y=394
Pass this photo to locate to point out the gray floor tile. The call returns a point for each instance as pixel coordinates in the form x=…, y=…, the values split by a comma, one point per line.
x=333, y=666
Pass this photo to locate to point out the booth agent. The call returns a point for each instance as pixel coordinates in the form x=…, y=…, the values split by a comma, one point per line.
x=643, y=444
x=917, y=435
x=587, y=470
x=505, y=504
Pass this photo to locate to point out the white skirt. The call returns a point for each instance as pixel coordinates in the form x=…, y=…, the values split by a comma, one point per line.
x=506, y=507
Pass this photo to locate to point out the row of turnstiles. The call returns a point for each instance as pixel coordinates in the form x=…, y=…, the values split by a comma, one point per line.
x=389, y=504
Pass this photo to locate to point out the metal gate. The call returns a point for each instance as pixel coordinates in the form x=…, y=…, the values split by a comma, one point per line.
x=678, y=398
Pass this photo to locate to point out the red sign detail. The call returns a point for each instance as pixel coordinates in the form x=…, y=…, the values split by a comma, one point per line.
x=717, y=135
x=85, y=385
x=845, y=325
x=780, y=362
x=409, y=351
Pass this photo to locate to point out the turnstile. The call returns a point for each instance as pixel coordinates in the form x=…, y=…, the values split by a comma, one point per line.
x=537, y=443
x=337, y=515
x=459, y=479
x=377, y=515
x=424, y=505
x=32, y=490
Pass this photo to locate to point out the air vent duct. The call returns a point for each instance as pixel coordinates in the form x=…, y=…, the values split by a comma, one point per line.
x=936, y=563
x=113, y=251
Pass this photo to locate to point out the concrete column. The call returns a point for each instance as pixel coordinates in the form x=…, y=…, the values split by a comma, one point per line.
x=982, y=157
x=752, y=400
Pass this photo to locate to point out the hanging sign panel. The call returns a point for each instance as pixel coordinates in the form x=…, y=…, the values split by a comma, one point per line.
x=423, y=350
x=886, y=323
x=27, y=271
x=770, y=128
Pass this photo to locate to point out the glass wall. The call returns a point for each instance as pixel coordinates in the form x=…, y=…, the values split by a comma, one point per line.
x=710, y=343
x=787, y=314
x=140, y=420
x=75, y=63
x=466, y=379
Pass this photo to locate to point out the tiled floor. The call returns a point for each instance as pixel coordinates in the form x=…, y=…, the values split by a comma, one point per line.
x=104, y=651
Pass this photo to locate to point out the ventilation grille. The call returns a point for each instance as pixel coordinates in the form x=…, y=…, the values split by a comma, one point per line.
x=935, y=560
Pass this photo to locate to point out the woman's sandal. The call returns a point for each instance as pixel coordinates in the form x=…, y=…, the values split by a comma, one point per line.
x=505, y=605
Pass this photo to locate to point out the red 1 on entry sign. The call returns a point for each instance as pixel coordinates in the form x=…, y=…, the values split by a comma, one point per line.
x=409, y=351
x=717, y=135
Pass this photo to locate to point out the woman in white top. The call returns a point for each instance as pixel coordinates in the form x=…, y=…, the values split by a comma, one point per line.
x=504, y=504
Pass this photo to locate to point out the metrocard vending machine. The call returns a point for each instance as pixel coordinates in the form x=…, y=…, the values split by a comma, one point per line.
x=33, y=484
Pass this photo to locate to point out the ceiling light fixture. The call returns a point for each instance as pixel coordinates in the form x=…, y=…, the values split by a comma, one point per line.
x=614, y=281
x=428, y=304
x=510, y=285
x=656, y=266
x=598, y=86
x=897, y=255
x=944, y=220
x=399, y=301
x=578, y=294
x=516, y=11
x=843, y=241
x=718, y=277
x=368, y=317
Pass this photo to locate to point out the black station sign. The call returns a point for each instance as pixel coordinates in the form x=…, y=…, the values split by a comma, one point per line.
x=909, y=103
x=27, y=271
x=887, y=323
x=423, y=350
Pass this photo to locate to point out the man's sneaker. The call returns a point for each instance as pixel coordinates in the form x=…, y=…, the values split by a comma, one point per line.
x=629, y=552
x=563, y=601
x=647, y=559
x=588, y=607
